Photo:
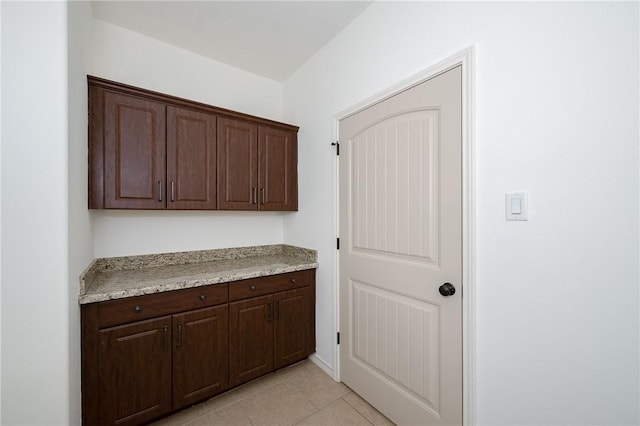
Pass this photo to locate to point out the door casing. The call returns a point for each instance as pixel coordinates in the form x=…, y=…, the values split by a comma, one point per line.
x=466, y=58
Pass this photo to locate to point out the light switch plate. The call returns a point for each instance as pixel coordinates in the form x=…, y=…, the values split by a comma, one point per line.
x=517, y=206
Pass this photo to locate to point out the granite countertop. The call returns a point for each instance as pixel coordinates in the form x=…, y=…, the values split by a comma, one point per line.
x=120, y=277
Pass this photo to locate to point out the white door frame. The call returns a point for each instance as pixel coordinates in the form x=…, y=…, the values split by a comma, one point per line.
x=466, y=58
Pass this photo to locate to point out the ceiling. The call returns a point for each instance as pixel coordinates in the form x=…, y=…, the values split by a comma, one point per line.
x=268, y=38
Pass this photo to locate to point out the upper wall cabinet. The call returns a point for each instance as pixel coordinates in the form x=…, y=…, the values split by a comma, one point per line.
x=191, y=159
x=153, y=151
x=257, y=167
x=130, y=152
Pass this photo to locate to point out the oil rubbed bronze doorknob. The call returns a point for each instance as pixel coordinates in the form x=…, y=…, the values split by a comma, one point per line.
x=447, y=289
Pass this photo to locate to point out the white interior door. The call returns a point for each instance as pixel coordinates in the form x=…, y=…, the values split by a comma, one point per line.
x=401, y=240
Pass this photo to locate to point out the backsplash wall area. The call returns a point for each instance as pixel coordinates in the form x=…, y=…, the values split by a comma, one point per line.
x=116, y=56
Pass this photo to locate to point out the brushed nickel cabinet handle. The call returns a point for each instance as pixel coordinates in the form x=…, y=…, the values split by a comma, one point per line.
x=137, y=309
x=270, y=314
x=179, y=335
x=202, y=297
x=254, y=195
x=293, y=280
x=262, y=196
x=159, y=191
x=173, y=191
x=253, y=288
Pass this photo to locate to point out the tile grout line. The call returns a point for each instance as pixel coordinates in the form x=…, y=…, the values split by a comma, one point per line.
x=346, y=402
x=295, y=378
x=356, y=408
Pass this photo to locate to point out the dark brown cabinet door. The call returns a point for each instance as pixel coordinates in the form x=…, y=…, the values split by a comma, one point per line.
x=277, y=169
x=134, y=152
x=200, y=355
x=237, y=165
x=148, y=150
x=145, y=356
x=292, y=323
x=191, y=159
x=135, y=372
x=250, y=339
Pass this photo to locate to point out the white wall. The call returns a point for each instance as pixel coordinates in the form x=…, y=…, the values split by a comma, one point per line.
x=128, y=57
x=556, y=115
x=45, y=220
x=0, y=214
x=80, y=20
x=35, y=275
x=124, y=233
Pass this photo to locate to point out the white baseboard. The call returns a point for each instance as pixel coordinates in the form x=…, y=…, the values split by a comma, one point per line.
x=314, y=358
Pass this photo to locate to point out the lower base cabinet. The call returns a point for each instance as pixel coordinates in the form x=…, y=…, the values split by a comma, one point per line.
x=291, y=332
x=135, y=372
x=190, y=345
x=268, y=332
x=251, y=342
x=200, y=361
x=150, y=368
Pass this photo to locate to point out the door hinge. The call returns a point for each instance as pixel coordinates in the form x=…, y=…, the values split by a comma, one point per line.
x=338, y=337
x=337, y=243
x=337, y=145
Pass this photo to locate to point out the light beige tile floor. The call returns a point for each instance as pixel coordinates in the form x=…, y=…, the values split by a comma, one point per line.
x=302, y=394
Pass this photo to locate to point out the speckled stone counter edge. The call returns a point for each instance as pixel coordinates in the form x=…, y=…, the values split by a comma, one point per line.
x=124, y=263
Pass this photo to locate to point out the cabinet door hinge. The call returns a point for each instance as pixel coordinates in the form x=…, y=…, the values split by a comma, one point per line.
x=338, y=337
x=337, y=243
x=337, y=145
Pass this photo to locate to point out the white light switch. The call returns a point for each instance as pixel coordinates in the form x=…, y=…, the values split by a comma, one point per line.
x=517, y=206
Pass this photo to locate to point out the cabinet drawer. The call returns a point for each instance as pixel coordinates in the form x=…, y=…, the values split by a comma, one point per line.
x=266, y=285
x=121, y=311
